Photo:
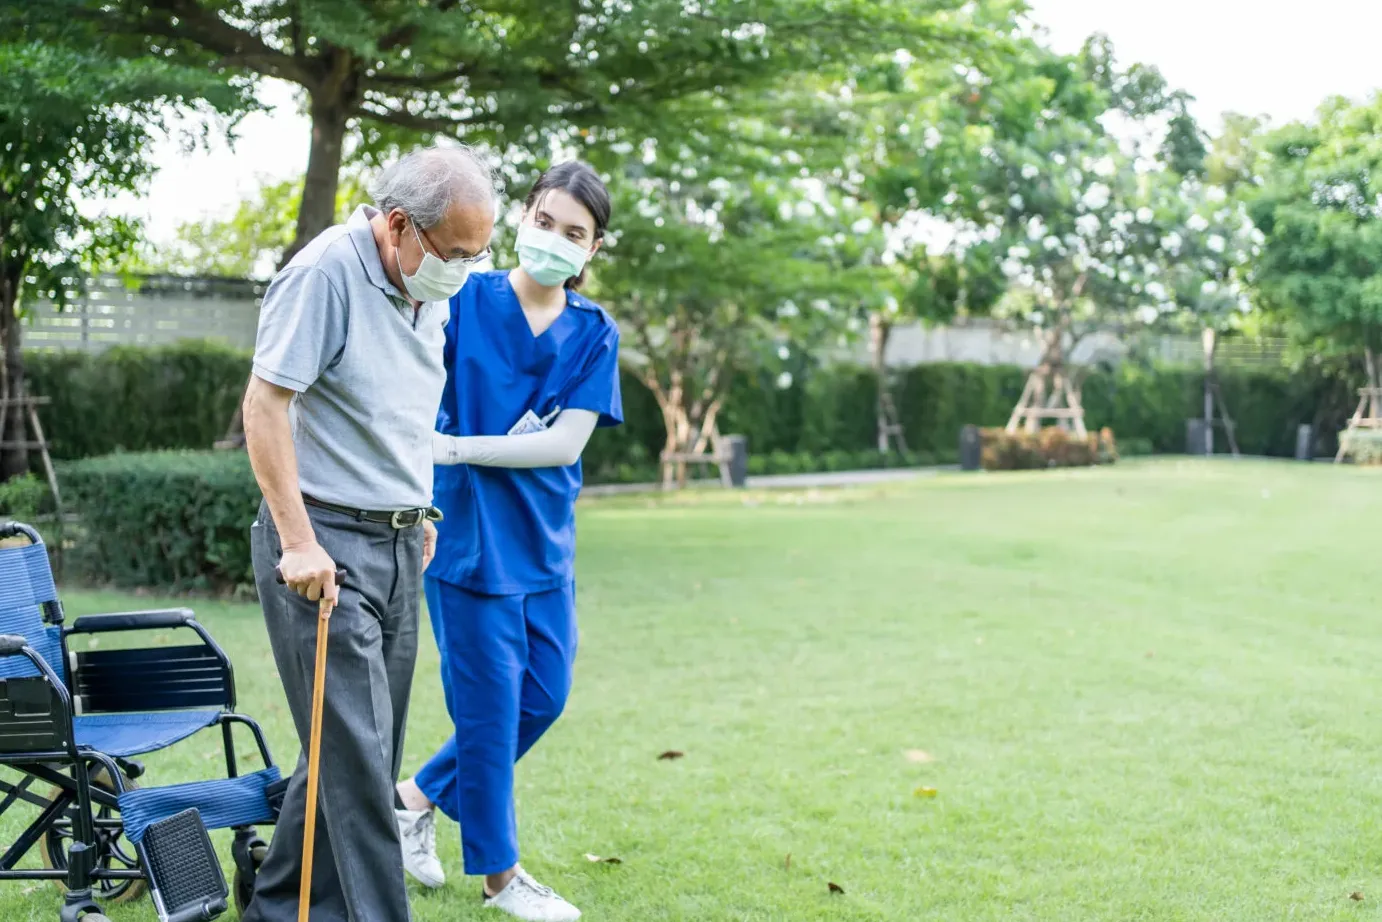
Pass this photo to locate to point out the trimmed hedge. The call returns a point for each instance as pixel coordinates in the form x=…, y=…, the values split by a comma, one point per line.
x=137, y=398
x=176, y=520
x=182, y=396
x=180, y=519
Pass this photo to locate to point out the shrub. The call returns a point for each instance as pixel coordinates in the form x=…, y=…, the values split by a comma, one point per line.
x=1051, y=446
x=780, y=462
x=1365, y=447
x=867, y=460
x=837, y=460
x=24, y=498
x=137, y=398
x=1135, y=448
x=176, y=520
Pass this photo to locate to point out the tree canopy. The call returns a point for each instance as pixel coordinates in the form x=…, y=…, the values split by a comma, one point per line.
x=75, y=123
x=1320, y=267
x=516, y=76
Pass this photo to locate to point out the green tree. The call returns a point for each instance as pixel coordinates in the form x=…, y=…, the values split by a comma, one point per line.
x=512, y=75
x=248, y=242
x=709, y=274
x=1320, y=212
x=1086, y=212
x=1320, y=269
x=73, y=120
x=927, y=132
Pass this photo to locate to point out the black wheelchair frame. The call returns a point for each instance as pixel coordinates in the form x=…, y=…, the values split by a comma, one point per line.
x=38, y=740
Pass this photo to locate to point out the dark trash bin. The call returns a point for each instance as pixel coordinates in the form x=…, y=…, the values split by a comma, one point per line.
x=738, y=448
x=1305, y=442
x=1195, y=437
x=970, y=452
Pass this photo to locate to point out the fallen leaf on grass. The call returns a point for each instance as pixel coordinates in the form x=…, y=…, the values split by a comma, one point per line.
x=671, y=754
x=924, y=792
x=1357, y=897
x=788, y=863
x=835, y=888
x=916, y=755
x=596, y=859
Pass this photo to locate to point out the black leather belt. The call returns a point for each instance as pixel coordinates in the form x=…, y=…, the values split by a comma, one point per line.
x=400, y=518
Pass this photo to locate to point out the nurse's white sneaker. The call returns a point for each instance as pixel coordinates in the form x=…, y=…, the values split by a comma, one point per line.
x=525, y=898
x=417, y=830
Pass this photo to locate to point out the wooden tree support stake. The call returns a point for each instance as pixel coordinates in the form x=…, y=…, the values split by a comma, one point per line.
x=1036, y=405
x=38, y=442
x=1366, y=418
x=707, y=448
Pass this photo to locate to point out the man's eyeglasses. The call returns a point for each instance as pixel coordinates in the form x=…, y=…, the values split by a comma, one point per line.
x=475, y=260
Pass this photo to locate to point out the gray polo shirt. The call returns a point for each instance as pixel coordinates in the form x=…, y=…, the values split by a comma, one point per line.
x=367, y=372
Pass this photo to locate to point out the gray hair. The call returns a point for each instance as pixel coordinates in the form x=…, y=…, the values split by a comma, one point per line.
x=428, y=181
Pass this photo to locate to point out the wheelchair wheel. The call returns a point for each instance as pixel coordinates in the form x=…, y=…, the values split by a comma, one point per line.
x=113, y=851
x=245, y=877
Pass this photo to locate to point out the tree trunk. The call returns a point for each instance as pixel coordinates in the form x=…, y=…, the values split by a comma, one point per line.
x=1374, y=401
x=688, y=423
x=13, y=461
x=879, y=332
x=674, y=422
x=1210, y=344
x=330, y=103
x=1049, y=371
x=329, y=108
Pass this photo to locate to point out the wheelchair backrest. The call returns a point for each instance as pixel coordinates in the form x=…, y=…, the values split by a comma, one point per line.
x=28, y=603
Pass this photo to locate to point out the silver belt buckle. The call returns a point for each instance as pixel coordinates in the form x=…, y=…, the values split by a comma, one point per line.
x=406, y=518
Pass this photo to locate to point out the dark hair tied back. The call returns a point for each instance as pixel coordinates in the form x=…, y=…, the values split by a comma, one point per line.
x=581, y=182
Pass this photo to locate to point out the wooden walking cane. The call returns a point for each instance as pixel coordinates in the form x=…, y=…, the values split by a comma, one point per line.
x=314, y=752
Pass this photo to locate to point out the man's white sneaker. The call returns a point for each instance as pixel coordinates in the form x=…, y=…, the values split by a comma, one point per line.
x=417, y=830
x=526, y=899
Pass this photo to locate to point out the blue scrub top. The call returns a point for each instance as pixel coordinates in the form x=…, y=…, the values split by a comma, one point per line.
x=512, y=531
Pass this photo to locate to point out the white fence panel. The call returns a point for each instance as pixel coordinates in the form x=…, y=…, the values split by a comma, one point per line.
x=152, y=311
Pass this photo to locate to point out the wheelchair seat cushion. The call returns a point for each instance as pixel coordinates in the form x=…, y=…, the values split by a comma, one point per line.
x=126, y=735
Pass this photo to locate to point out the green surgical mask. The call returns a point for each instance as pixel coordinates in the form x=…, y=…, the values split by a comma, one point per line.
x=549, y=258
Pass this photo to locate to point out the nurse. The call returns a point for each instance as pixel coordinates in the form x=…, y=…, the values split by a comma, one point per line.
x=532, y=370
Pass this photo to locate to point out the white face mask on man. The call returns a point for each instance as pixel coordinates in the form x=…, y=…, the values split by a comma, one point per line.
x=435, y=278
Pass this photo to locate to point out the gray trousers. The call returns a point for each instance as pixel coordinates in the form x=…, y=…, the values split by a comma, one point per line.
x=357, y=874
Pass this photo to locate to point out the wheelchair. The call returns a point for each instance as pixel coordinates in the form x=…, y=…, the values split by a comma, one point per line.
x=71, y=727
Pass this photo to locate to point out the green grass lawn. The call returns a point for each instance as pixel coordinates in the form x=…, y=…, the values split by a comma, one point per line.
x=1151, y=692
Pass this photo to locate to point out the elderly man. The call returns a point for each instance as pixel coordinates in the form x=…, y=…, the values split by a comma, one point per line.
x=339, y=413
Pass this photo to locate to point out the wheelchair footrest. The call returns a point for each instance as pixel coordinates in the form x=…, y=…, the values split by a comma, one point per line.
x=222, y=804
x=184, y=873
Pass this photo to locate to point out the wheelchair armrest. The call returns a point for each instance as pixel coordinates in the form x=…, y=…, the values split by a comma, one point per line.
x=12, y=645
x=132, y=621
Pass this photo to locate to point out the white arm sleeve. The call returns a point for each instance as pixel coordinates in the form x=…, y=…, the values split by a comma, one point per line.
x=558, y=445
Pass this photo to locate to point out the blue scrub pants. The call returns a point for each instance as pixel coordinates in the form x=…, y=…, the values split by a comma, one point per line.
x=506, y=671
